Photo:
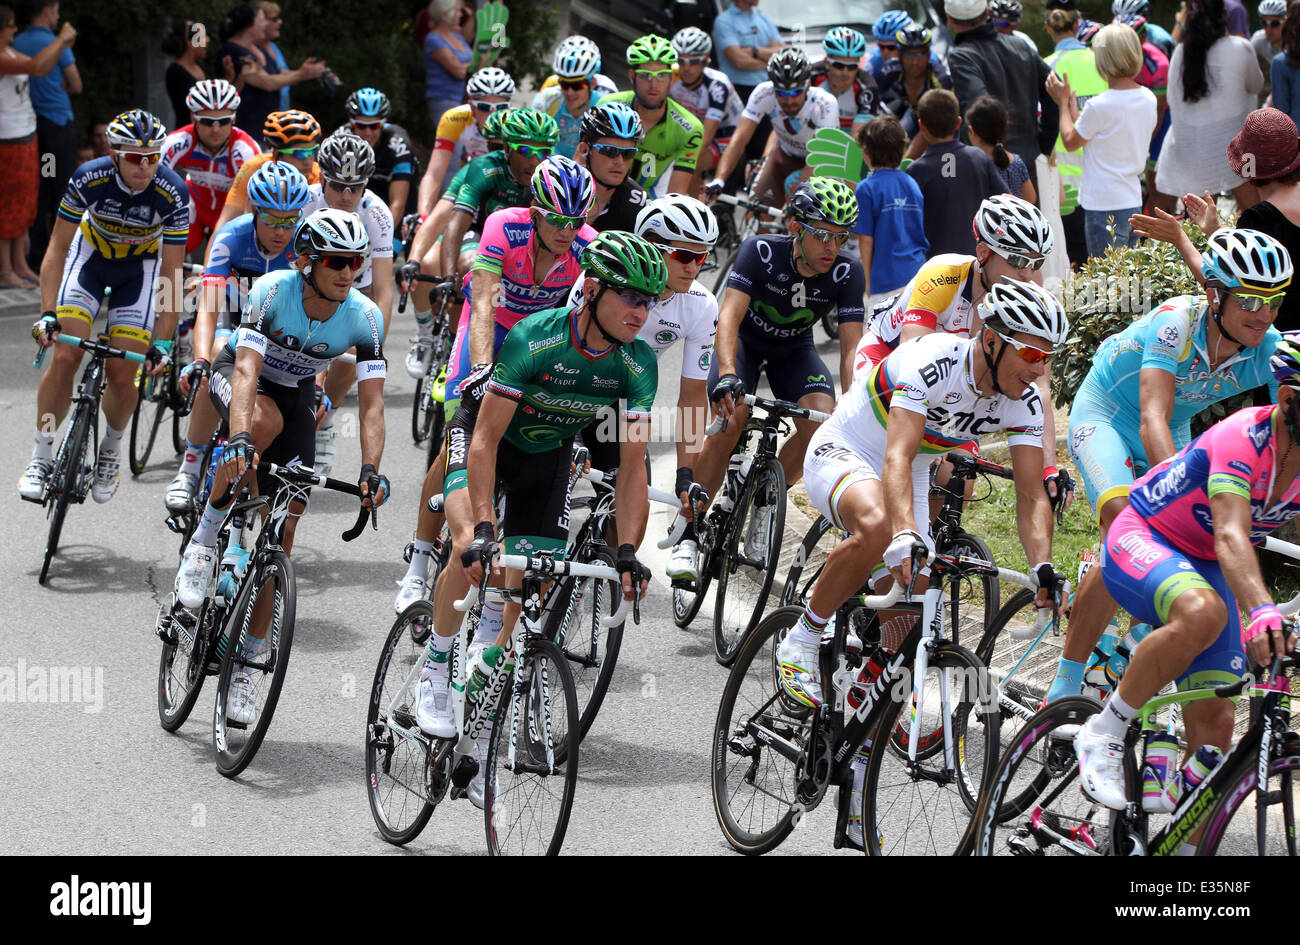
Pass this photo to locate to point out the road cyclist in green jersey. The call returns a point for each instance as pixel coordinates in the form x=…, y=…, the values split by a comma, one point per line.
x=555, y=370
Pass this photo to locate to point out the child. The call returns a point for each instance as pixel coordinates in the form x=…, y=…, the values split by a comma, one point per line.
x=986, y=123
x=889, y=212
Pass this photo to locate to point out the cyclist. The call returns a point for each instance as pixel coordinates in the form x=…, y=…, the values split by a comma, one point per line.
x=123, y=222
x=854, y=90
x=574, y=92
x=395, y=162
x=460, y=136
x=602, y=83
x=527, y=261
x=867, y=468
x=291, y=136
x=884, y=30
x=797, y=111
x=1134, y=409
x=346, y=163
x=1154, y=33
x=243, y=250
x=670, y=149
x=1164, y=560
x=706, y=93
x=916, y=75
x=208, y=153
x=553, y=373
x=607, y=148
x=1006, y=15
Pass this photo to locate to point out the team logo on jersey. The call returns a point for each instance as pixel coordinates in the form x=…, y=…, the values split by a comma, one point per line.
x=1168, y=336
x=952, y=397
x=559, y=368
x=705, y=360
x=1081, y=435
x=665, y=337
x=605, y=382
x=1259, y=434
x=289, y=341
x=320, y=348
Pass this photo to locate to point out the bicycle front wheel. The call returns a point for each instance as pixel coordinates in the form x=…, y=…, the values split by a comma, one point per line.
x=421, y=410
x=183, y=663
x=972, y=598
x=533, y=755
x=151, y=406
x=1243, y=826
x=750, y=554
x=66, y=480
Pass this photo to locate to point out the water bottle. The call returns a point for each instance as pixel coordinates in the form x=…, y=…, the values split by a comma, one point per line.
x=1097, y=673
x=185, y=343
x=480, y=670
x=871, y=671
x=234, y=563
x=737, y=470
x=213, y=463
x=1160, y=776
x=1196, y=770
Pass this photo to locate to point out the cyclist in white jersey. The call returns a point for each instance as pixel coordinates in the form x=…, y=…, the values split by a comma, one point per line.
x=706, y=93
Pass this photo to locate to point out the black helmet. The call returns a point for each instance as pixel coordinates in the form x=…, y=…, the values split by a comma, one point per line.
x=789, y=69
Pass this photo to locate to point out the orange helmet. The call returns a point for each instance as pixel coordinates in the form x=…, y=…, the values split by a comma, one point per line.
x=291, y=129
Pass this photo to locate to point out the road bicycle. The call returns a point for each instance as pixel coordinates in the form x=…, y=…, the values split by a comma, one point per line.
x=427, y=417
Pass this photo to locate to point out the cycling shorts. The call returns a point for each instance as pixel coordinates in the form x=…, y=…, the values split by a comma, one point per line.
x=1108, y=462
x=769, y=188
x=86, y=274
x=793, y=369
x=458, y=364
x=296, y=443
x=1146, y=573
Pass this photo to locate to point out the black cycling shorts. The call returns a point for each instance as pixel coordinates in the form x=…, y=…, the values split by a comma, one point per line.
x=794, y=369
x=296, y=444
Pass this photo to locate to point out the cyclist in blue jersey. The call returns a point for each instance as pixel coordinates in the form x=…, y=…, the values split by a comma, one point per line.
x=1134, y=408
x=123, y=221
x=574, y=92
x=246, y=248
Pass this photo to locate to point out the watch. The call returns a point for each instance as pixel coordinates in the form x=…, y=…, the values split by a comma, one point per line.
x=753, y=51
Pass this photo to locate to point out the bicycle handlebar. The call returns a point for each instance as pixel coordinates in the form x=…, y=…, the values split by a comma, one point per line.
x=550, y=567
x=421, y=277
x=748, y=204
x=782, y=407
x=100, y=348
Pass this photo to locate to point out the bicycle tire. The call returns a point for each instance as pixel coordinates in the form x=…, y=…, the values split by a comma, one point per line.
x=276, y=569
x=809, y=559
x=540, y=672
x=176, y=399
x=150, y=406
x=66, y=481
x=182, y=668
x=973, y=599
x=1239, y=796
x=420, y=412
x=906, y=810
x=739, y=761
x=766, y=478
x=398, y=780
x=686, y=603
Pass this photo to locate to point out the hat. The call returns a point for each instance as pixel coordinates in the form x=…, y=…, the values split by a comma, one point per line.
x=966, y=9
x=1061, y=5
x=1267, y=147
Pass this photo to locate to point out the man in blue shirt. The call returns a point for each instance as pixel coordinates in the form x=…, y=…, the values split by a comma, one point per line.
x=745, y=39
x=55, y=132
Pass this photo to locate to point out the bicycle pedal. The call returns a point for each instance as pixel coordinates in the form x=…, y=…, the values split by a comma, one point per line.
x=683, y=584
x=40, y=501
x=463, y=772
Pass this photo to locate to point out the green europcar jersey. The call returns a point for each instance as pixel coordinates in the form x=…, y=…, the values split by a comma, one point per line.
x=672, y=144
x=558, y=386
x=489, y=186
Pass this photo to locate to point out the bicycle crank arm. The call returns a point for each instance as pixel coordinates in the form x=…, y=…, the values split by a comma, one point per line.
x=782, y=746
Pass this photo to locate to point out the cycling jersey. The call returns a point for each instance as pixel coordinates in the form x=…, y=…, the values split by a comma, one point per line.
x=620, y=213
x=1155, y=69
x=374, y=213
x=783, y=304
x=394, y=161
x=937, y=298
x=894, y=99
x=672, y=144
x=858, y=102
x=558, y=386
x=489, y=186
x=459, y=133
x=237, y=197
x=117, y=223
x=236, y=261
x=888, y=77
x=551, y=101
x=793, y=132
x=208, y=176
x=294, y=348
x=713, y=98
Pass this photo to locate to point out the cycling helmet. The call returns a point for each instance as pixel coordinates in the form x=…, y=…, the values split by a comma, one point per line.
x=492, y=126
x=329, y=231
x=368, y=103
x=1120, y=7
x=651, y=48
x=560, y=185
x=625, y=261
x=1246, y=259
x=291, y=129
x=1136, y=21
x=845, y=42
x=1087, y=31
x=1008, y=224
x=915, y=36
x=212, y=95
x=575, y=62
x=789, y=69
x=522, y=125
x=890, y=22
x=346, y=158
x=611, y=120
x=1012, y=306
x=580, y=42
x=825, y=200
x=1272, y=8
x=1285, y=361
x=1006, y=10
x=279, y=187
x=677, y=217
x=692, y=41
x=489, y=81
x=136, y=129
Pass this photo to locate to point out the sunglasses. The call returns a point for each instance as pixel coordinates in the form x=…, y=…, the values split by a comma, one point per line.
x=614, y=151
x=561, y=221
x=1004, y=23
x=846, y=66
x=489, y=107
x=345, y=188
x=301, y=154
x=888, y=46
x=685, y=256
x=277, y=222
x=1272, y=24
x=1019, y=261
x=532, y=151
x=215, y=122
x=341, y=262
x=825, y=236
x=791, y=93
x=367, y=124
x=636, y=299
x=657, y=74
x=692, y=60
x=573, y=85
x=147, y=159
x=1028, y=353
x=1253, y=303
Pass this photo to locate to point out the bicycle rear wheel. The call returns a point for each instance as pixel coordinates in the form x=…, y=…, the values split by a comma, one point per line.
x=151, y=407
x=533, y=755
x=183, y=662
x=687, y=603
x=66, y=480
x=747, y=567
x=973, y=599
x=1238, y=826
x=808, y=562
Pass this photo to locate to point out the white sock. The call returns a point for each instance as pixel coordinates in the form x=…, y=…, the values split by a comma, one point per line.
x=193, y=457
x=252, y=647
x=206, y=532
x=808, y=629
x=44, y=448
x=1114, y=717
x=112, y=440
x=437, y=657
x=420, y=554
x=489, y=625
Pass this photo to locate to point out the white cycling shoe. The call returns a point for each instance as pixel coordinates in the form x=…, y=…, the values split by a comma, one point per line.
x=417, y=359
x=31, y=484
x=194, y=577
x=1101, y=766
x=108, y=475
x=433, y=712
x=800, y=676
x=180, y=491
x=476, y=790
x=241, y=708
x=683, y=563
x=411, y=589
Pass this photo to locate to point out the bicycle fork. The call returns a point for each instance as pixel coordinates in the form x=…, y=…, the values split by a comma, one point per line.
x=932, y=618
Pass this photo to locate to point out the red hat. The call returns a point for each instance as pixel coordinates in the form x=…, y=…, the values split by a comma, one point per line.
x=1267, y=147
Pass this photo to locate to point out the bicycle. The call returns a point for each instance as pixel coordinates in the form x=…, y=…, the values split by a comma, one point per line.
x=528, y=699
x=773, y=759
x=427, y=418
x=752, y=495
x=73, y=472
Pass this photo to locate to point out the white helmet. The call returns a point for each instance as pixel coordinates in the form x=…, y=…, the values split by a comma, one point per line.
x=692, y=41
x=1135, y=7
x=575, y=61
x=677, y=217
x=1011, y=225
x=1246, y=259
x=489, y=81
x=1272, y=8
x=212, y=95
x=1012, y=306
x=330, y=231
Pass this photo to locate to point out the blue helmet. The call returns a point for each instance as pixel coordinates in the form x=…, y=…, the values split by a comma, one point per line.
x=890, y=22
x=278, y=186
x=368, y=103
x=1246, y=259
x=561, y=185
x=845, y=42
x=611, y=120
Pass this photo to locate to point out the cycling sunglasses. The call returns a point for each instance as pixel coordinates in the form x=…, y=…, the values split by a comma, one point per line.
x=561, y=221
x=341, y=262
x=144, y=159
x=636, y=299
x=1253, y=303
x=685, y=256
x=842, y=65
x=368, y=124
x=532, y=151
x=208, y=122
x=573, y=85
x=614, y=151
x=656, y=74
x=277, y=222
x=889, y=46
x=1028, y=353
x=345, y=188
x=790, y=93
x=1271, y=24
x=302, y=154
x=692, y=60
x=1002, y=24
x=825, y=236
x=1020, y=261
x=489, y=107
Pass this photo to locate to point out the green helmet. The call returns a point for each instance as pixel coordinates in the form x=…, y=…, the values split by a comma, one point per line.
x=625, y=261
x=492, y=127
x=651, y=48
x=521, y=125
x=825, y=200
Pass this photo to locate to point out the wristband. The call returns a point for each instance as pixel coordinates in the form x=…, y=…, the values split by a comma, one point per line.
x=1050, y=472
x=685, y=477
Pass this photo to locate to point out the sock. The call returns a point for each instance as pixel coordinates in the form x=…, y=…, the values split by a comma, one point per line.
x=206, y=531
x=809, y=628
x=44, y=448
x=252, y=647
x=688, y=534
x=420, y=554
x=1115, y=716
x=489, y=624
x=193, y=457
x=112, y=440
x=439, y=657
x=1068, y=681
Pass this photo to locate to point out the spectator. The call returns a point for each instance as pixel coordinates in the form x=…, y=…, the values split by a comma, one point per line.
x=447, y=60
x=1072, y=59
x=243, y=33
x=954, y=177
x=55, y=132
x=1237, y=20
x=745, y=39
x=19, y=167
x=984, y=62
x=188, y=43
x=986, y=123
x=1213, y=83
x=1268, y=41
x=1285, y=67
x=1114, y=129
x=98, y=138
x=269, y=49
x=889, y=212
